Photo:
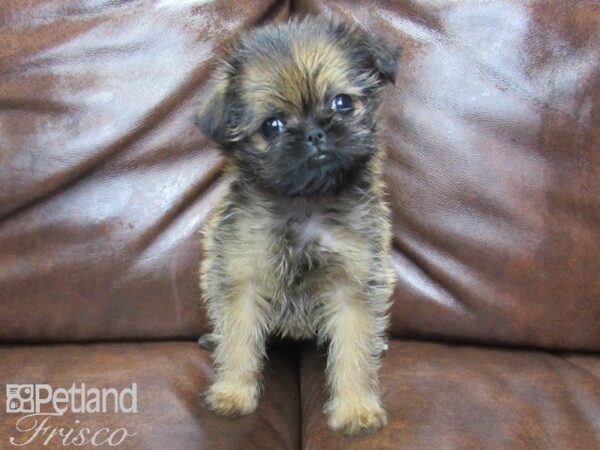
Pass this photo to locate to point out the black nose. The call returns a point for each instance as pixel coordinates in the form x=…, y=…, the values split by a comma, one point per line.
x=315, y=137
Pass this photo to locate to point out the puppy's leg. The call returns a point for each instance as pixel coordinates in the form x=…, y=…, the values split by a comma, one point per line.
x=241, y=328
x=355, y=336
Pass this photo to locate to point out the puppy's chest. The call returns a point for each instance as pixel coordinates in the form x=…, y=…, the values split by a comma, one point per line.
x=290, y=244
x=310, y=237
x=309, y=230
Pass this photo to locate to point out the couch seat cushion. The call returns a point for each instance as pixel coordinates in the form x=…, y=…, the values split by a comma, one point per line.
x=461, y=397
x=169, y=378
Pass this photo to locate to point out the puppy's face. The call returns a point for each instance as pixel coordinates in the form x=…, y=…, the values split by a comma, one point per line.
x=295, y=105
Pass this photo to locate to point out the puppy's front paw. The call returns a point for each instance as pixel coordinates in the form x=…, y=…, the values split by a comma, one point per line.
x=208, y=342
x=356, y=418
x=231, y=399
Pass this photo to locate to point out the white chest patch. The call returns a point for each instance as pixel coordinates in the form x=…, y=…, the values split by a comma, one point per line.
x=314, y=229
x=310, y=230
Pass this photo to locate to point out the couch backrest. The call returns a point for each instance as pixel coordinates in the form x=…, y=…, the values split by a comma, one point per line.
x=493, y=140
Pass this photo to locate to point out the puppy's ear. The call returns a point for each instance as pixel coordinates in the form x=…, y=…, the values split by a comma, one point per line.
x=215, y=118
x=372, y=51
x=385, y=57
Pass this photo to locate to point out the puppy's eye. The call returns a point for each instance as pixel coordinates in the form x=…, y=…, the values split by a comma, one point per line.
x=342, y=103
x=273, y=126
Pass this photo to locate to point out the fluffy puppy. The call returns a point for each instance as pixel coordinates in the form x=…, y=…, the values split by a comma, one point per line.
x=299, y=245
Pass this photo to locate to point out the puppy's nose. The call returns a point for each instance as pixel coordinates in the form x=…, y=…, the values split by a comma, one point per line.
x=316, y=137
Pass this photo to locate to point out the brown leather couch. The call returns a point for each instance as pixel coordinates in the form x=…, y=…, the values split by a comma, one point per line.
x=493, y=140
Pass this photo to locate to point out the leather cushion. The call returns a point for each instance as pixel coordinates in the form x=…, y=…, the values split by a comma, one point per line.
x=492, y=133
x=459, y=397
x=104, y=179
x=170, y=377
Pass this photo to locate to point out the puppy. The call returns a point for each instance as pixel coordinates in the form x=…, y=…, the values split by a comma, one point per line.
x=299, y=245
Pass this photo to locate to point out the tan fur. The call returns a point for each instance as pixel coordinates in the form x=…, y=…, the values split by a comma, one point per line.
x=292, y=76
x=335, y=309
x=299, y=266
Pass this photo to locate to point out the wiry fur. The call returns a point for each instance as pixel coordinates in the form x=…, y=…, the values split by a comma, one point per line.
x=297, y=250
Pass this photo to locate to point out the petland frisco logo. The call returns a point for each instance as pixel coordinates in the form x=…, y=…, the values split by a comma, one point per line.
x=41, y=403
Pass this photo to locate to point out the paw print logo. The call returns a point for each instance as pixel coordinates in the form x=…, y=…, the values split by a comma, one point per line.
x=19, y=398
